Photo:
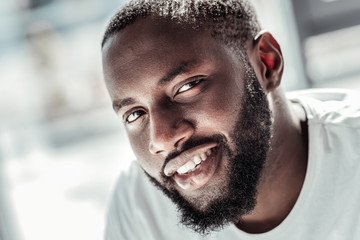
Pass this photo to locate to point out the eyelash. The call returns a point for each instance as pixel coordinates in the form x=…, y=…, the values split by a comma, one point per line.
x=194, y=84
x=141, y=112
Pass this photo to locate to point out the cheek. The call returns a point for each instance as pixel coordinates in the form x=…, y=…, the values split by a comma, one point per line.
x=220, y=110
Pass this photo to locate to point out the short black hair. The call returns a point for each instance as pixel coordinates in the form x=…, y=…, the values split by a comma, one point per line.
x=232, y=21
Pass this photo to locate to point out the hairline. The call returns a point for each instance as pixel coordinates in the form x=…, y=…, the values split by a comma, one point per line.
x=231, y=21
x=237, y=45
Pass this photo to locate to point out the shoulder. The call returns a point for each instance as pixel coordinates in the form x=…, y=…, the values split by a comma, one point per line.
x=138, y=210
x=133, y=192
x=329, y=106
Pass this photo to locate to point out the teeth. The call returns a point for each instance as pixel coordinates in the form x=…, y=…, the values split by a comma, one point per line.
x=197, y=160
x=186, y=167
x=208, y=152
x=182, y=170
x=191, y=165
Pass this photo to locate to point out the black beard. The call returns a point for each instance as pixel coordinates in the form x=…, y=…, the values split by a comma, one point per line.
x=251, y=136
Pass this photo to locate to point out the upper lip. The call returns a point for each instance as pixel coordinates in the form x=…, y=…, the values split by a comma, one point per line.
x=174, y=164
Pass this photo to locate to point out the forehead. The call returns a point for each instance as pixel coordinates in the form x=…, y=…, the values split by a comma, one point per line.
x=149, y=48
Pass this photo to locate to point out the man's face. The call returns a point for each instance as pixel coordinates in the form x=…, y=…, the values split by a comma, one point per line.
x=195, y=115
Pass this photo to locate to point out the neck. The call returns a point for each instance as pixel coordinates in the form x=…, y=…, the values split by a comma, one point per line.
x=285, y=169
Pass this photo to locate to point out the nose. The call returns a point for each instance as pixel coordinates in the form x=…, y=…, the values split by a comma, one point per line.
x=168, y=131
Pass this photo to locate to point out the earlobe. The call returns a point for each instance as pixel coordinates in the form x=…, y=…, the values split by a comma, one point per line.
x=271, y=60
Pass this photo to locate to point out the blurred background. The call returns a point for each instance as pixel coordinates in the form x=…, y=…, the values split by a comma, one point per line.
x=62, y=147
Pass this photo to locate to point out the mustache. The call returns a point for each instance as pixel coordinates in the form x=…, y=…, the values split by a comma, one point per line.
x=191, y=143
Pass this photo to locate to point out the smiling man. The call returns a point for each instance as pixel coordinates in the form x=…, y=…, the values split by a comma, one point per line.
x=196, y=85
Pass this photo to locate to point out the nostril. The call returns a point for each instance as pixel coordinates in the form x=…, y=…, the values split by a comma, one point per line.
x=158, y=152
x=165, y=138
x=154, y=150
x=176, y=145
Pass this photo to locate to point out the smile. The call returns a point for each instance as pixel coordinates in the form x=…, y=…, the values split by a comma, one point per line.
x=192, y=165
x=193, y=168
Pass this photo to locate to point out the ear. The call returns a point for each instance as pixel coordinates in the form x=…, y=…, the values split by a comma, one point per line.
x=271, y=63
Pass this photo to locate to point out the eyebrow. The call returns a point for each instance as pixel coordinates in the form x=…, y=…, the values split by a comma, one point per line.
x=182, y=68
x=118, y=104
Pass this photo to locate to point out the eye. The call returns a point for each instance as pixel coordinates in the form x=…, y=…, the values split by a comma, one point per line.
x=188, y=86
x=132, y=117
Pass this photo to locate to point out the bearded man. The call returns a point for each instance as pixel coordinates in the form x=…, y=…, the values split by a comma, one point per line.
x=197, y=87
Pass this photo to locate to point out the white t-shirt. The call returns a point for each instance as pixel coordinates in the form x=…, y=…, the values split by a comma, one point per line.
x=329, y=203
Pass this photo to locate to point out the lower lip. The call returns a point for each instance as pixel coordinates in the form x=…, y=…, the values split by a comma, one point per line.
x=202, y=175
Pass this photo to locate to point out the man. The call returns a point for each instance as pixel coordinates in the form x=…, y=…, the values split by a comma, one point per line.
x=196, y=84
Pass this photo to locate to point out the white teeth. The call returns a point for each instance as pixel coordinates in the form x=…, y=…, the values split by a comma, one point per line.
x=197, y=160
x=181, y=170
x=186, y=167
x=191, y=165
x=208, y=152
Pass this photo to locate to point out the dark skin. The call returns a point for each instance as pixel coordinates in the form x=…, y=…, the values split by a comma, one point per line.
x=172, y=84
